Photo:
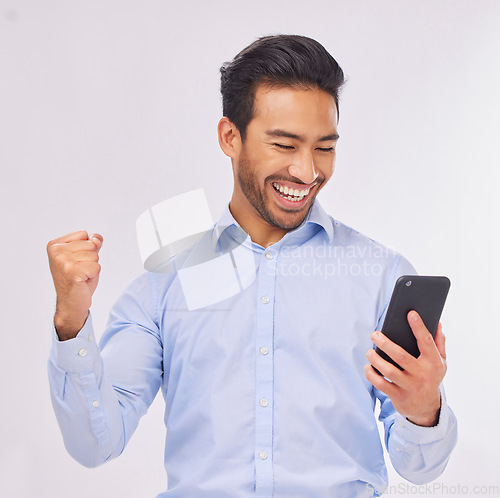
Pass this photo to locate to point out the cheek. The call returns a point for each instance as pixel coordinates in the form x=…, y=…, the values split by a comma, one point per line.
x=268, y=163
x=326, y=166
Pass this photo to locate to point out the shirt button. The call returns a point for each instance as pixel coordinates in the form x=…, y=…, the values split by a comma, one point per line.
x=262, y=455
x=265, y=299
x=263, y=350
x=91, y=337
x=95, y=404
x=269, y=255
x=398, y=450
x=82, y=352
x=263, y=402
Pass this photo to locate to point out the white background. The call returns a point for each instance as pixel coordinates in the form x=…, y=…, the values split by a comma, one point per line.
x=108, y=107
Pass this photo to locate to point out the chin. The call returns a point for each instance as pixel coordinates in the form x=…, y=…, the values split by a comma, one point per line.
x=289, y=219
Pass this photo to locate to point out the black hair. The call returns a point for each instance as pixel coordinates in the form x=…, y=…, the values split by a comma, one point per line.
x=278, y=60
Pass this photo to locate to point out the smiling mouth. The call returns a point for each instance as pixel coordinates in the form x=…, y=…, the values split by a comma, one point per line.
x=291, y=194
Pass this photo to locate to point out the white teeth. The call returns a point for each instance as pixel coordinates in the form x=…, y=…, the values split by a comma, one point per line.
x=290, y=193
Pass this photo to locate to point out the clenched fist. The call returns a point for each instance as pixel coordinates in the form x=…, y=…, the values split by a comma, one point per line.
x=75, y=268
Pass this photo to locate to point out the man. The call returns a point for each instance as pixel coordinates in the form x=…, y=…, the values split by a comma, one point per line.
x=268, y=392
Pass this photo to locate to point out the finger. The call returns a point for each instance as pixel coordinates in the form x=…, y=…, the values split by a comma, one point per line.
x=74, y=246
x=404, y=359
x=379, y=382
x=440, y=341
x=425, y=341
x=69, y=237
x=85, y=256
x=388, y=370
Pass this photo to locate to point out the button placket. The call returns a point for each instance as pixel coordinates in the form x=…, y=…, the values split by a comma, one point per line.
x=264, y=388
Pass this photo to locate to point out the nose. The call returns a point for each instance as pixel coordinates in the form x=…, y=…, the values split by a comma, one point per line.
x=303, y=168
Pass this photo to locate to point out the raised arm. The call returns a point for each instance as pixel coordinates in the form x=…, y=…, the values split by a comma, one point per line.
x=99, y=396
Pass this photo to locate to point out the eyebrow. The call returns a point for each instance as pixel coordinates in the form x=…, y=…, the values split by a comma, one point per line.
x=287, y=134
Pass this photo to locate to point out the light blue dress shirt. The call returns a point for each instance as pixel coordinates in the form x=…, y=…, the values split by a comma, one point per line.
x=259, y=356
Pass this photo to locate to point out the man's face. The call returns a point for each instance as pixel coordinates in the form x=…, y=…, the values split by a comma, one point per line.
x=288, y=155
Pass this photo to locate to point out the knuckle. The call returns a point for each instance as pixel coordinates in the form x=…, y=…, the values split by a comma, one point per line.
x=68, y=266
x=52, y=247
x=399, y=357
x=59, y=258
x=95, y=270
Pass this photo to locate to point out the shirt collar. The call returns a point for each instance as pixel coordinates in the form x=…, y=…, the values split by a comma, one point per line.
x=316, y=216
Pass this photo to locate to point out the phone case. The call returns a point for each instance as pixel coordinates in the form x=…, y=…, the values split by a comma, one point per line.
x=424, y=294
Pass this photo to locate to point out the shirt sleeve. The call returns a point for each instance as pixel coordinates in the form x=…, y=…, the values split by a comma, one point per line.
x=100, y=393
x=418, y=454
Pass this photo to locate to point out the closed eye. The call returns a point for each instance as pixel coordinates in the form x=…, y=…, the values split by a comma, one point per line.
x=326, y=149
x=285, y=147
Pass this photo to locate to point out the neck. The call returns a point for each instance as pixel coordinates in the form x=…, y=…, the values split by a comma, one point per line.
x=260, y=231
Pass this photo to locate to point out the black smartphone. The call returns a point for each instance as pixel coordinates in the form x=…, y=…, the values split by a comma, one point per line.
x=424, y=294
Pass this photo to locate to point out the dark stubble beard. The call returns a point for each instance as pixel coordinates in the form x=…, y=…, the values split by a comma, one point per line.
x=255, y=196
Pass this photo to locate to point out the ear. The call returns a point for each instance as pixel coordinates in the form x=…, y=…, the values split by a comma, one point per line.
x=229, y=138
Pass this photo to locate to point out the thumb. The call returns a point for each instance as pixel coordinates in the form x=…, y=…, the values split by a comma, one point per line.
x=97, y=239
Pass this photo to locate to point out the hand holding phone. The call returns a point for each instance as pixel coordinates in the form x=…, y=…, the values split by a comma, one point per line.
x=424, y=294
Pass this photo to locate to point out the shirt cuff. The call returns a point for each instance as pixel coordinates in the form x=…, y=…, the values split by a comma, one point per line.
x=416, y=434
x=79, y=354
